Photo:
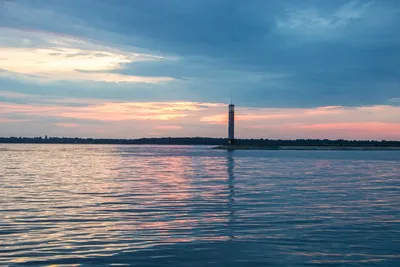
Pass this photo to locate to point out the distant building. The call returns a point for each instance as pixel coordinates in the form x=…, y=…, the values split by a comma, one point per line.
x=231, y=125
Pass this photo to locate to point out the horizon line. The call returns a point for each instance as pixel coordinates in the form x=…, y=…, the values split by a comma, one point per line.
x=190, y=137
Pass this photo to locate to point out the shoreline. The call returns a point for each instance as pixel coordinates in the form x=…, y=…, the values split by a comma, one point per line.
x=332, y=148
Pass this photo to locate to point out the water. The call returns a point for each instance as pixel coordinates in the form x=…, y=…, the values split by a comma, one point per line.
x=87, y=205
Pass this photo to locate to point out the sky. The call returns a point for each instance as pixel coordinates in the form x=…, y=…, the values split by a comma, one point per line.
x=150, y=68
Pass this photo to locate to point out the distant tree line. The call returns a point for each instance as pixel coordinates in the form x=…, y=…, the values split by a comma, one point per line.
x=198, y=141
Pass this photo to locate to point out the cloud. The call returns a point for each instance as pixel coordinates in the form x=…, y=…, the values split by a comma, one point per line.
x=141, y=119
x=353, y=10
x=110, y=111
x=169, y=127
x=65, y=58
x=138, y=111
x=14, y=97
x=394, y=101
x=3, y=120
x=371, y=126
x=316, y=23
x=215, y=119
x=123, y=66
x=67, y=125
x=328, y=110
x=361, y=130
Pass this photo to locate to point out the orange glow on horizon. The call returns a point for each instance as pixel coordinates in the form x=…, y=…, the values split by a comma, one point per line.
x=205, y=119
x=67, y=125
x=372, y=127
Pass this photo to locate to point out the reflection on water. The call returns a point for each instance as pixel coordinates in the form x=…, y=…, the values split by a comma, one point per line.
x=83, y=205
x=231, y=198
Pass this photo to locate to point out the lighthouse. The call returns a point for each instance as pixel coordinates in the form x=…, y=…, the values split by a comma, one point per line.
x=231, y=125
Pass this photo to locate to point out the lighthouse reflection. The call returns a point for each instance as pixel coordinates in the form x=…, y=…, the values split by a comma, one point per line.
x=231, y=195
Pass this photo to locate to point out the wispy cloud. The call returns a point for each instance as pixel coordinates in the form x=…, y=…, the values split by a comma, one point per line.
x=352, y=10
x=111, y=111
x=67, y=125
x=12, y=97
x=354, y=130
x=67, y=49
x=169, y=127
x=57, y=57
x=123, y=119
x=311, y=21
x=3, y=120
x=394, y=101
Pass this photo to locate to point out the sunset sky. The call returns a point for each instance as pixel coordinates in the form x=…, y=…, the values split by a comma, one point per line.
x=147, y=68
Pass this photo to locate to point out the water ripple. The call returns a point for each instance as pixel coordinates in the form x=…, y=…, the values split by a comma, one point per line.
x=84, y=205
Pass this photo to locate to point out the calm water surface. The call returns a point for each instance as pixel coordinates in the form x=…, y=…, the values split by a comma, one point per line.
x=84, y=205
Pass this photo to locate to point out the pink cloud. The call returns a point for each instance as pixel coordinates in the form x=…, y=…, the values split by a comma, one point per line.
x=169, y=127
x=264, y=117
x=328, y=110
x=363, y=130
x=67, y=125
x=11, y=120
x=124, y=119
x=376, y=126
x=215, y=119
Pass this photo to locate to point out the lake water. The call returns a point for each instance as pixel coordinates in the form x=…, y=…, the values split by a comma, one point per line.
x=95, y=205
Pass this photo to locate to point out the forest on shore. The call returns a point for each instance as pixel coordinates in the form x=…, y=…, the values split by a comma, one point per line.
x=198, y=141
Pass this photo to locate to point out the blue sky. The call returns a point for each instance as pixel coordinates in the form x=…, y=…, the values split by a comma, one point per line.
x=166, y=68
